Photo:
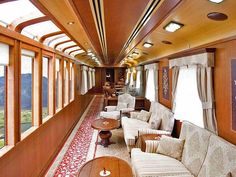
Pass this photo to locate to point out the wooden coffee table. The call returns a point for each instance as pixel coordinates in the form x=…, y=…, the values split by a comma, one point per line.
x=105, y=126
x=117, y=167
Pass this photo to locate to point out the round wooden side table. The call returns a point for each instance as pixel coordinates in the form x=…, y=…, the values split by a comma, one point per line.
x=105, y=126
x=113, y=167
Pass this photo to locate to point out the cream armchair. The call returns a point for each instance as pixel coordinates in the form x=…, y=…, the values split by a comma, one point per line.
x=126, y=104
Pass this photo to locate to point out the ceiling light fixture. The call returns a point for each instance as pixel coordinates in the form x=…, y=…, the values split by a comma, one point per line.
x=173, y=26
x=147, y=44
x=216, y=1
x=90, y=53
x=135, y=53
x=70, y=23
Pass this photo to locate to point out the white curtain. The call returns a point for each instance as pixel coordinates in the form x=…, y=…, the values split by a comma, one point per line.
x=139, y=81
x=84, y=84
x=93, y=77
x=204, y=63
x=127, y=79
x=90, y=83
x=151, y=91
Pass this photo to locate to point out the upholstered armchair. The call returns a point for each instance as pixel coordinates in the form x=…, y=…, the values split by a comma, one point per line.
x=126, y=104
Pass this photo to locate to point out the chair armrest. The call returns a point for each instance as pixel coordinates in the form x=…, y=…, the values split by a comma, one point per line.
x=126, y=110
x=110, y=108
x=144, y=131
x=151, y=146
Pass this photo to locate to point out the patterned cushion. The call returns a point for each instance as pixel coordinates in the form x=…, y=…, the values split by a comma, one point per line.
x=195, y=146
x=144, y=115
x=155, y=124
x=220, y=159
x=156, y=165
x=171, y=147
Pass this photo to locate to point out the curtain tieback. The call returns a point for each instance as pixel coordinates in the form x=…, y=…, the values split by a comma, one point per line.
x=207, y=105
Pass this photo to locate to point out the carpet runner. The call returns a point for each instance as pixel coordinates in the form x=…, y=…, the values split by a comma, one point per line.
x=77, y=151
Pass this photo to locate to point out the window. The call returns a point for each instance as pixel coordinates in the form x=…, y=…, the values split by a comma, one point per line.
x=45, y=87
x=66, y=84
x=71, y=81
x=150, y=85
x=188, y=104
x=4, y=61
x=57, y=82
x=2, y=104
x=26, y=89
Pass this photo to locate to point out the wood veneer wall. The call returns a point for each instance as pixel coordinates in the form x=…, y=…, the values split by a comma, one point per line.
x=31, y=156
x=225, y=52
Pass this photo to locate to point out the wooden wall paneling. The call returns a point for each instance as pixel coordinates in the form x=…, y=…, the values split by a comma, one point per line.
x=13, y=95
x=225, y=52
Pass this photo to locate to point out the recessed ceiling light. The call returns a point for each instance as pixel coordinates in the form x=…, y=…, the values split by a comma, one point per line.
x=216, y=1
x=70, y=23
x=173, y=26
x=217, y=16
x=147, y=45
x=130, y=57
x=90, y=53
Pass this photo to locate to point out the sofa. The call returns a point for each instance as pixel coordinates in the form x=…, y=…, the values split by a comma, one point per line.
x=133, y=127
x=204, y=155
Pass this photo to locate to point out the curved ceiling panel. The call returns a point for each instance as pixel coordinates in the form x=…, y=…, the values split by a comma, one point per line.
x=40, y=29
x=52, y=41
x=71, y=49
x=11, y=11
x=64, y=45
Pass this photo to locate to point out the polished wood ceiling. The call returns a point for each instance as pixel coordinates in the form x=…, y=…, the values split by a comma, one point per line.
x=113, y=29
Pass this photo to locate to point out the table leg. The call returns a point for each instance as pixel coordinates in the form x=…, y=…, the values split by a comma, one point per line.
x=105, y=138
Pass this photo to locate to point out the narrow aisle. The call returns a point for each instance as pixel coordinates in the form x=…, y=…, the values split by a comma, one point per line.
x=75, y=150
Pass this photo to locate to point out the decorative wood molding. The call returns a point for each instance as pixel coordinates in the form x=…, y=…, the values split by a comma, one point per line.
x=59, y=43
x=50, y=35
x=21, y=25
x=69, y=47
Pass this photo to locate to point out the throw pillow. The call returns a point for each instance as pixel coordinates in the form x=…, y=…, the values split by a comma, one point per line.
x=121, y=105
x=155, y=124
x=144, y=115
x=171, y=147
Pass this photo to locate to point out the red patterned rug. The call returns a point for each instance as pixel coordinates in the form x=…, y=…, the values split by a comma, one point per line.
x=77, y=152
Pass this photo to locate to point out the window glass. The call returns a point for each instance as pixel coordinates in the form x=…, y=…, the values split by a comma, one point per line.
x=188, y=104
x=45, y=88
x=26, y=91
x=64, y=45
x=2, y=105
x=56, y=40
x=77, y=52
x=150, y=88
x=37, y=30
x=71, y=49
x=13, y=10
x=57, y=82
x=71, y=81
x=66, y=94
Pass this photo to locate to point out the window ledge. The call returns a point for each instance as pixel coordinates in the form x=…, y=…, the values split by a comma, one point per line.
x=5, y=149
x=28, y=132
x=45, y=119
